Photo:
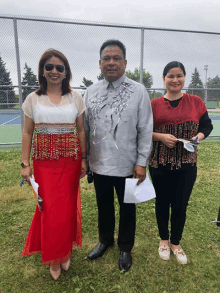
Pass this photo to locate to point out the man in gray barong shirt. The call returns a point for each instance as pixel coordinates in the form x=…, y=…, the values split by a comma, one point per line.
x=119, y=125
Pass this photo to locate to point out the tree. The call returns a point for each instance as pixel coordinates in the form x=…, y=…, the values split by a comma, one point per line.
x=147, y=77
x=29, y=79
x=7, y=94
x=100, y=76
x=213, y=83
x=154, y=94
x=86, y=82
x=196, y=82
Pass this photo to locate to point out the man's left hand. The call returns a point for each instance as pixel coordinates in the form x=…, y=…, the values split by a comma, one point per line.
x=140, y=173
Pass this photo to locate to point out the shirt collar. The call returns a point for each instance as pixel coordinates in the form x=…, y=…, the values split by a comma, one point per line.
x=115, y=83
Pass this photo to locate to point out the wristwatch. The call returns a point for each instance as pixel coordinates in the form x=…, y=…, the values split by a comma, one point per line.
x=23, y=165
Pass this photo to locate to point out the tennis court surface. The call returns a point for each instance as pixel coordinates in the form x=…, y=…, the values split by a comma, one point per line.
x=10, y=126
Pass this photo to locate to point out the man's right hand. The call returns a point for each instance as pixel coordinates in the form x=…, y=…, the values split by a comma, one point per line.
x=140, y=173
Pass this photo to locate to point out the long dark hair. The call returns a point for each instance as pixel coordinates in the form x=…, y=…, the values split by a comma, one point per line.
x=42, y=80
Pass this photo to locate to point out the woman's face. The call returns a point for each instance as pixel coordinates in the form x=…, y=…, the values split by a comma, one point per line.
x=174, y=80
x=54, y=71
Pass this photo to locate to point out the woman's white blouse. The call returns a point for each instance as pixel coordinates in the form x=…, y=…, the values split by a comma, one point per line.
x=42, y=110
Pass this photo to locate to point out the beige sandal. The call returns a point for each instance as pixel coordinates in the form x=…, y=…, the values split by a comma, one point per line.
x=164, y=252
x=180, y=255
x=55, y=273
x=65, y=266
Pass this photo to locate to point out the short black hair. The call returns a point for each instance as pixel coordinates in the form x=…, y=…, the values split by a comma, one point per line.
x=113, y=43
x=173, y=64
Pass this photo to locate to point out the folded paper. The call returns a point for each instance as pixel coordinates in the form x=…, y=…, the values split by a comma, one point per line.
x=138, y=193
x=189, y=145
x=35, y=186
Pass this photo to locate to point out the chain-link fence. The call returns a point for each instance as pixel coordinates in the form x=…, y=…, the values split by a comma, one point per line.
x=24, y=39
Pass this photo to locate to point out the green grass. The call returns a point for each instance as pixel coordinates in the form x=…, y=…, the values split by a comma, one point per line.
x=16, y=107
x=201, y=241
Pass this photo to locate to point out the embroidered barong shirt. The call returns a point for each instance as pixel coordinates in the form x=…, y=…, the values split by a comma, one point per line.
x=119, y=125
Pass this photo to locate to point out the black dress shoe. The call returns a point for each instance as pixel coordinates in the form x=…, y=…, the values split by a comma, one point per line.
x=98, y=251
x=125, y=261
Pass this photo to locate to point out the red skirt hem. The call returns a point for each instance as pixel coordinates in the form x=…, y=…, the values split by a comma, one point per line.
x=53, y=262
x=56, y=229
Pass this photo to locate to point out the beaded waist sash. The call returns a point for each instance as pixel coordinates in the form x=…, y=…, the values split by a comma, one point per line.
x=53, y=140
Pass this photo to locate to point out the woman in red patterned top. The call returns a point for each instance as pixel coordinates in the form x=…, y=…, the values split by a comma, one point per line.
x=173, y=169
x=55, y=115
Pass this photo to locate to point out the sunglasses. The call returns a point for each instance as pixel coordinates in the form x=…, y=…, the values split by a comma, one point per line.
x=59, y=68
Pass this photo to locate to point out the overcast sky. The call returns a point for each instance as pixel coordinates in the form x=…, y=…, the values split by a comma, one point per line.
x=188, y=15
x=185, y=14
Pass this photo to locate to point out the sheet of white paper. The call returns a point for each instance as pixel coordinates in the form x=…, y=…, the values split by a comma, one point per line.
x=35, y=187
x=187, y=145
x=136, y=194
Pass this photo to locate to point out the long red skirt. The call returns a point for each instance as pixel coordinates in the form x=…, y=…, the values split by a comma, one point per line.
x=57, y=227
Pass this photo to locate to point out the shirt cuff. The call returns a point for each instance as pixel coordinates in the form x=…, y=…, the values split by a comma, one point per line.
x=141, y=162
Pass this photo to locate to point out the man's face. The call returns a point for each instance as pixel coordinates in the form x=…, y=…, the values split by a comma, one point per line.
x=112, y=63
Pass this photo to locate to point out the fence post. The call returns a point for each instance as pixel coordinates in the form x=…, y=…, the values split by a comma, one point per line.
x=18, y=71
x=205, y=98
x=7, y=98
x=142, y=56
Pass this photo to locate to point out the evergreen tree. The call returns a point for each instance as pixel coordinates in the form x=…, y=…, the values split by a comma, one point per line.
x=29, y=79
x=7, y=94
x=147, y=77
x=213, y=83
x=196, y=82
x=86, y=82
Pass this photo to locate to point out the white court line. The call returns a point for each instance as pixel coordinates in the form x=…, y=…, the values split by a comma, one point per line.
x=10, y=120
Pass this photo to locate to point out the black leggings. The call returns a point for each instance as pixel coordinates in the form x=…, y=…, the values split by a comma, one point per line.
x=173, y=189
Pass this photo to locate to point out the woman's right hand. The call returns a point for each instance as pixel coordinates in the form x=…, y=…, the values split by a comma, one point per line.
x=26, y=173
x=83, y=168
x=168, y=139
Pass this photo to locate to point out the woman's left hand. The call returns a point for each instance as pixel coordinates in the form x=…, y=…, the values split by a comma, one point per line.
x=198, y=137
x=83, y=168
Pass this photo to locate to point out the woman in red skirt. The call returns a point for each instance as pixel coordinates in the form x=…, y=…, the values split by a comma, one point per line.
x=54, y=114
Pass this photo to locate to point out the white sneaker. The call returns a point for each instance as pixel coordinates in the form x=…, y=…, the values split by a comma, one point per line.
x=164, y=252
x=180, y=256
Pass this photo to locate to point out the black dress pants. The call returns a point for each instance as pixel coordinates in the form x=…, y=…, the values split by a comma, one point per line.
x=173, y=189
x=104, y=186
